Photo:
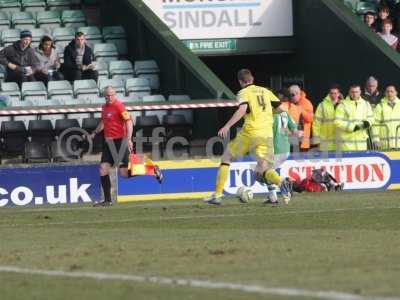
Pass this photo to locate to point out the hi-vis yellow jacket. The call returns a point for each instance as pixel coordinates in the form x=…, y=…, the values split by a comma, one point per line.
x=387, y=124
x=324, y=128
x=349, y=114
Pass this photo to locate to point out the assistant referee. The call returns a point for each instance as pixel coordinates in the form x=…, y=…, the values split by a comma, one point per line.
x=118, y=128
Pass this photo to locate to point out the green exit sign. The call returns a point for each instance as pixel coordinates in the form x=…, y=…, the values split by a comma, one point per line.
x=211, y=45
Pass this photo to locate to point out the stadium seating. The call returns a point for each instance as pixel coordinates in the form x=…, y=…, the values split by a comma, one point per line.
x=73, y=18
x=37, y=153
x=14, y=136
x=121, y=69
x=60, y=150
x=117, y=36
x=148, y=69
x=187, y=113
x=5, y=22
x=41, y=131
x=52, y=118
x=61, y=90
x=33, y=5
x=102, y=69
x=34, y=91
x=11, y=89
x=48, y=19
x=144, y=127
x=79, y=117
x=177, y=126
x=23, y=20
x=59, y=5
x=9, y=36
x=85, y=89
x=92, y=34
x=25, y=118
x=90, y=124
x=137, y=87
x=105, y=52
x=154, y=98
x=37, y=35
x=117, y=84
x=10, y=6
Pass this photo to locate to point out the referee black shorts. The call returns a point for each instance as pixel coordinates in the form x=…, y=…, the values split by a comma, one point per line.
x=107, y=157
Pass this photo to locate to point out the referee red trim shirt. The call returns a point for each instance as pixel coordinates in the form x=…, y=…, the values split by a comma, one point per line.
x=114, y=116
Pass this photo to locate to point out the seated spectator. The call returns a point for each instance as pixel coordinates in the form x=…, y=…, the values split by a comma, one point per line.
x=300, y=109
x=353, y=118
x=387, y=36
x=20, y=60
x=324, y=128
x=387, y=120
x=369, y=19
x=371, y=91
x=49, y=61
x=78, y=60
x=383, y=14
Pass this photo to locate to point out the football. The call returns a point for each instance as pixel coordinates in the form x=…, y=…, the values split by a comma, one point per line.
x=245, y=194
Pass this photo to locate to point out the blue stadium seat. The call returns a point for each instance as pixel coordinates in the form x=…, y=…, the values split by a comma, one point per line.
x=148, y=69
x=73, y=18
x=137, y=87
x=122, y=69
x=48, y=19
x=105, y=52
x=23, y=20
x=34, y=91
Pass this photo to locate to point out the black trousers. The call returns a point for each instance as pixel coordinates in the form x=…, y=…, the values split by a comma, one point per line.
x=72, y=75
x=18, y=77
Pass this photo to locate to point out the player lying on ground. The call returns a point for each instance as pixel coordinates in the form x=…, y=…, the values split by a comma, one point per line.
x=118, y=129
x=255, y=138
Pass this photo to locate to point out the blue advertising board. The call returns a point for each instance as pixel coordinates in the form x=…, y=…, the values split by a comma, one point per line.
x=32, y=186
x=193, y=179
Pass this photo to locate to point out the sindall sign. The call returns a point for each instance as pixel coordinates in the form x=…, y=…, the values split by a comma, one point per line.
x=371, y=172
x=210, y=19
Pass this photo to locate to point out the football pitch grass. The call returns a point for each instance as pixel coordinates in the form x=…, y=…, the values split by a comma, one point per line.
x=347, y=244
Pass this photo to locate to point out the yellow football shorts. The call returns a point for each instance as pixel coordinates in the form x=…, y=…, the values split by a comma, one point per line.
x=258, y=146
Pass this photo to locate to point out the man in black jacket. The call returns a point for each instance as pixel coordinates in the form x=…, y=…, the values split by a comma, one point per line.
x=78, y=60
x=20, y=60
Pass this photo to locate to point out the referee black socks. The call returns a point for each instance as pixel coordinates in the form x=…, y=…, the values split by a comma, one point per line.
x=106, y=185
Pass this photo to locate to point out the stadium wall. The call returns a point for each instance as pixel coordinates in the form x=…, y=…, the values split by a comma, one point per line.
x=193, y=179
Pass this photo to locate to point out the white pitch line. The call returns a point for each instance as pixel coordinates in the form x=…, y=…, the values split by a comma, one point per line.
x=211, y=216
x=202, y=284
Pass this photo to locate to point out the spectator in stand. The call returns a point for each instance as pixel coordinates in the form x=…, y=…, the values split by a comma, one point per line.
x=353, y=117
x=383, y=14
x=49, y=61
x=387, y=121
x=324, y=128
x=369, y=19
x=78, y=60
x=371, y=91
x=387, y=36
x=20, y=60
x=300, y=109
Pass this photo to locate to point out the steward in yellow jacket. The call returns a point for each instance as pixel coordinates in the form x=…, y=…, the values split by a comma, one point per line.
x=387, y=121
x=324, y=128
x=352, y=119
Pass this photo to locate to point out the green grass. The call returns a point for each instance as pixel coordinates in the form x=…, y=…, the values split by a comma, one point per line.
x=347, y=242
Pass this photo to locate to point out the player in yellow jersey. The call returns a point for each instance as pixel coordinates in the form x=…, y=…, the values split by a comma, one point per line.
x=256, y=137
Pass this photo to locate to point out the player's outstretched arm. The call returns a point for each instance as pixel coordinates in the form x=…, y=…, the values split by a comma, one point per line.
x=237, y=116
